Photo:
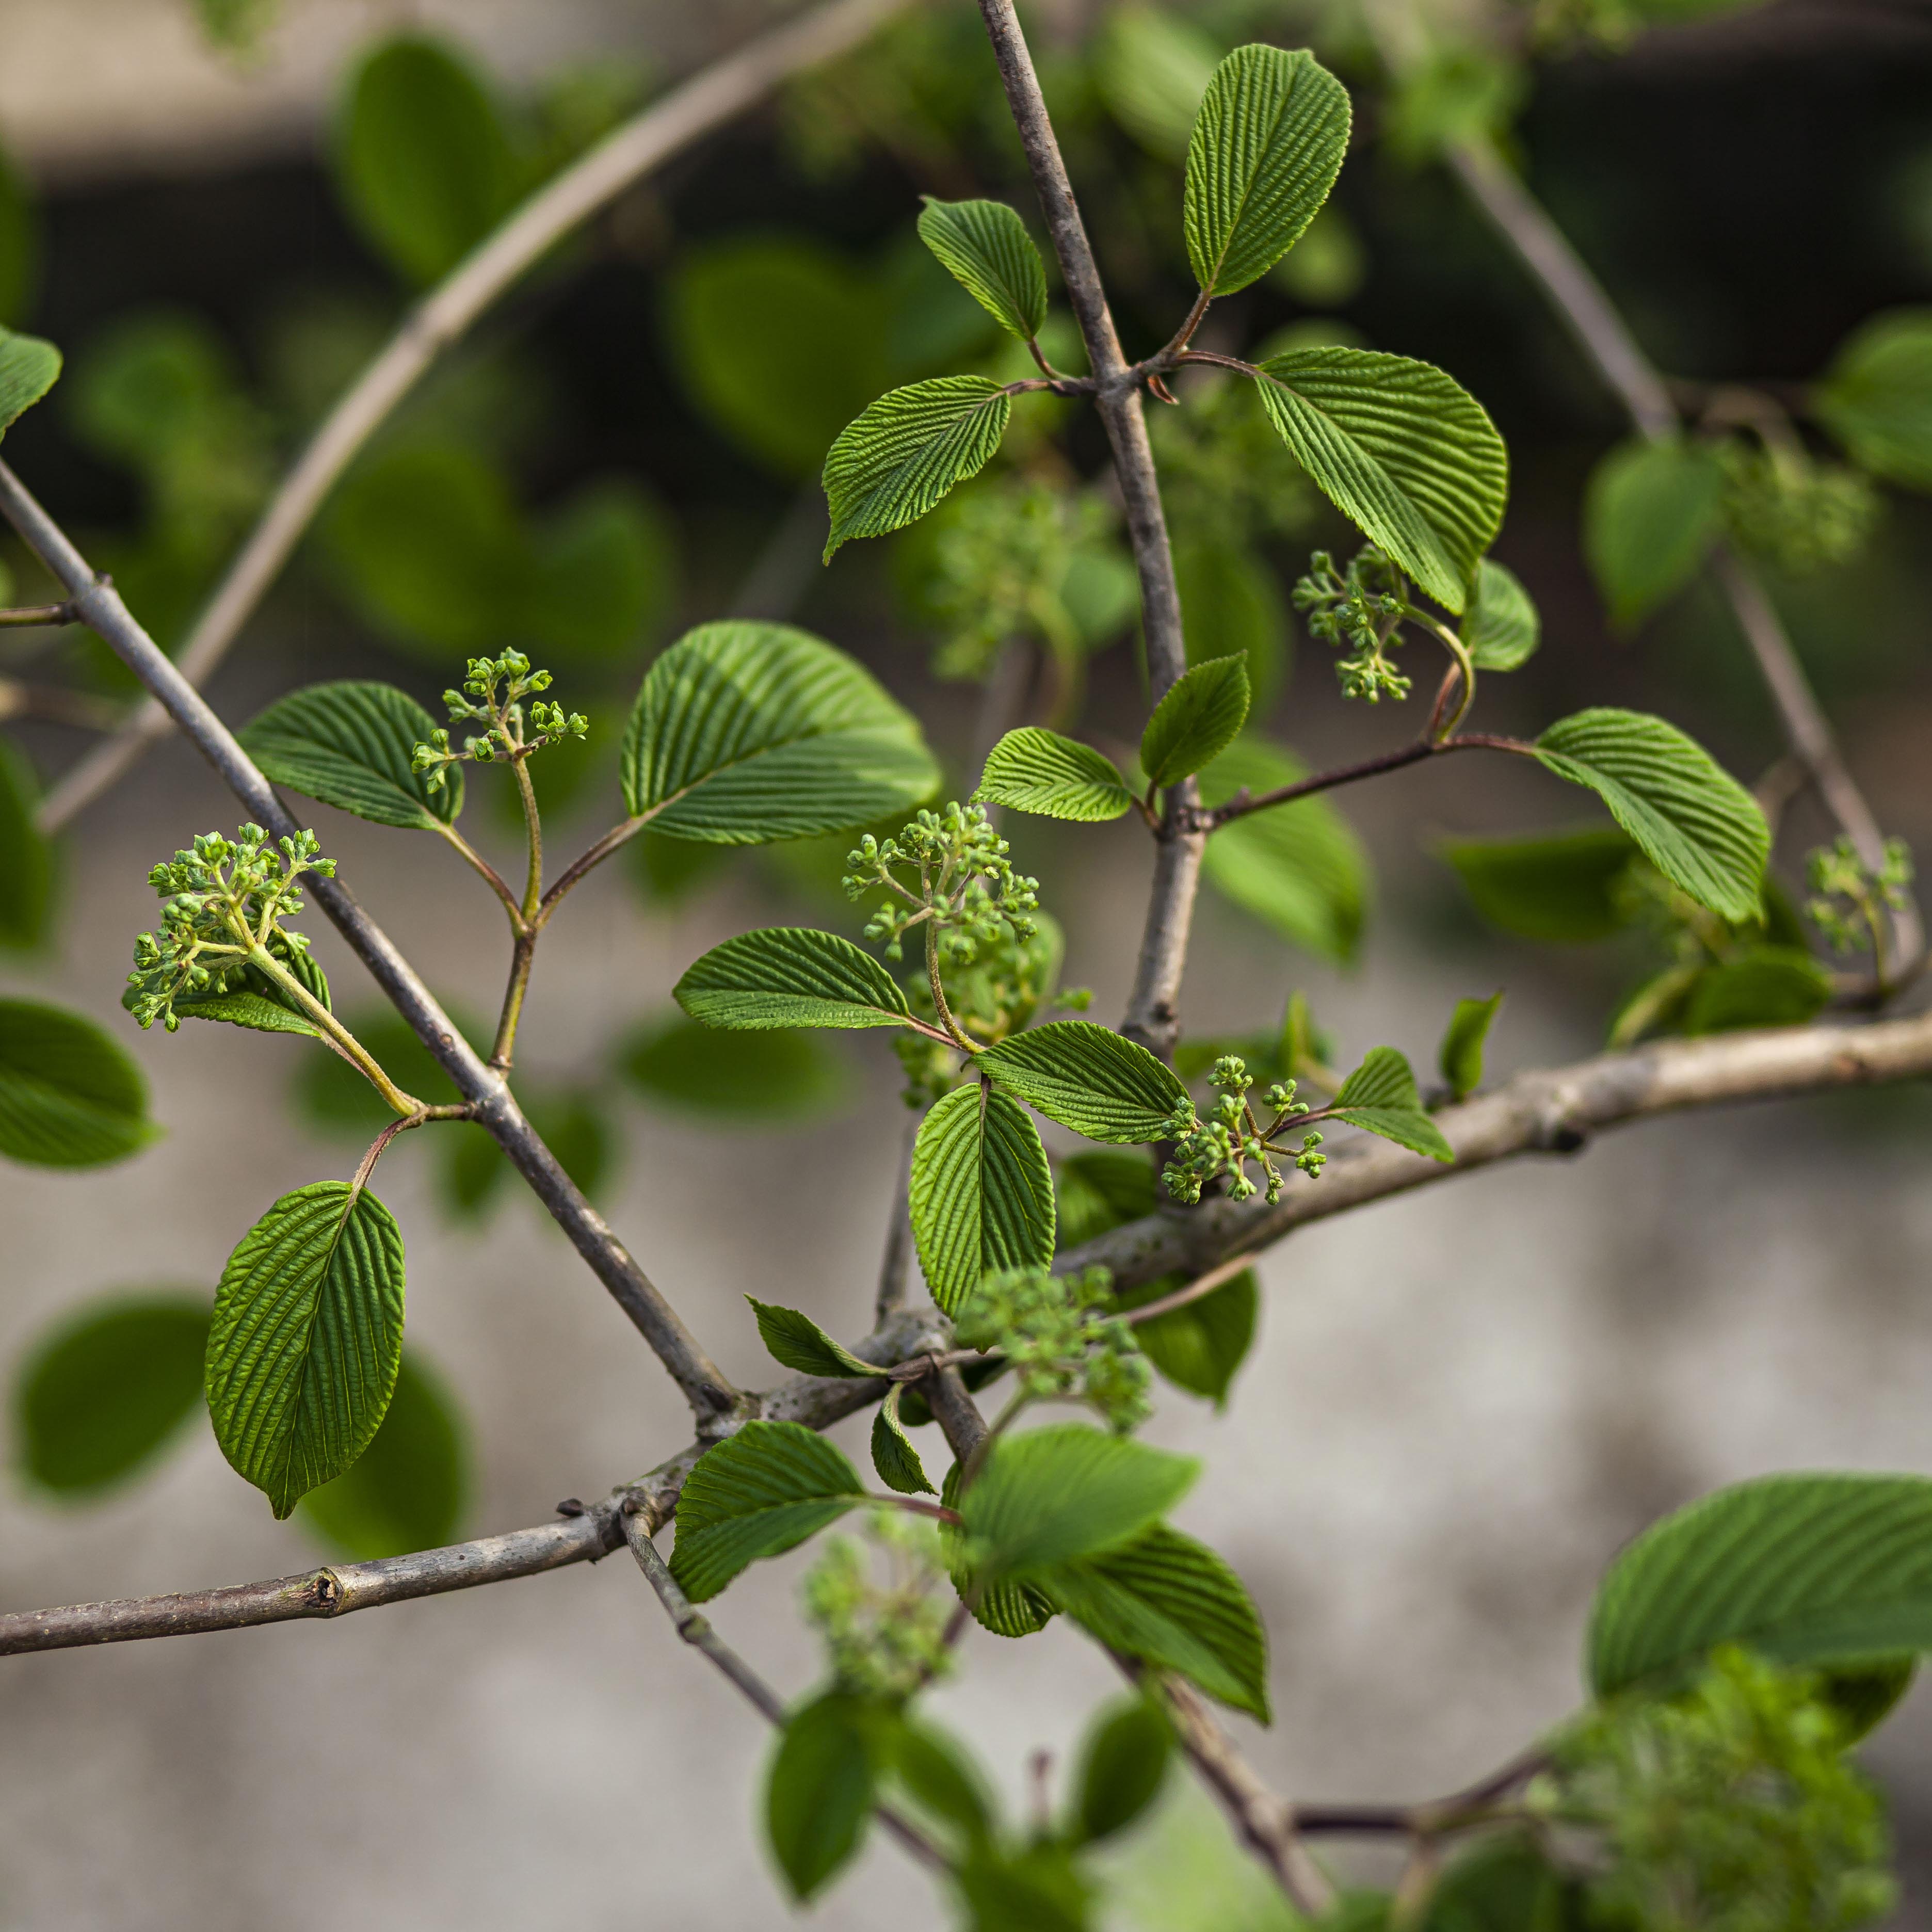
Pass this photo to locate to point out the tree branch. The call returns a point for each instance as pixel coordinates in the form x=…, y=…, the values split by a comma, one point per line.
x=705, y=1388
x=1152, y=1015
x=1412, y=753
x=1603, y=334
x=688, y=112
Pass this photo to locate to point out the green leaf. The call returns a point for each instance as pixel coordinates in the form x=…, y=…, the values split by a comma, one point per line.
x=1461, y=1058
x=1152, y=68
x=424, y=161
x=982, y=1192
x=1174, y=1602
x=28, y=369
x=69, y=1097
x=780, y=342
x=1196, y=721
x=1381, y=1096
x=20, y=241
x=736, y=1079
x=1696, y=824
x=350, y=745
x=1561, y=888
x=1404, y=452
x=789, y=976
x=986, y=246
x=1806, y=1569
x=938, y=1775
x=262, y=1004
x=1298, y=867
x=1087, y=1078
x=603, y=574
x=1037, y=1888
x=1039, y=771
x=757, y=1493
x=101, y=1396
x=1056, y=1495
x=898, y=458
x=307, y=1337
x=1094, y=1193
x=1651, y=512
x=744, y=733
x=406, y=1491
x=1232, y=606
x=1506, y=1884
x=893, y=1456
x=1877, y=397
x=1269, y=141
x=1123, y=1764
x=799, y=1343
x=1501, y=629
x=818, y=1793
x=1763, y=986
x=1198, y=1348
x=26, y=859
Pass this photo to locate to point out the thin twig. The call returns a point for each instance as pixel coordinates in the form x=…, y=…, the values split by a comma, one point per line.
x=705, y=1388
x=1152, y=1015
x=1414, y=753
x=58, y=704
x=687, y=113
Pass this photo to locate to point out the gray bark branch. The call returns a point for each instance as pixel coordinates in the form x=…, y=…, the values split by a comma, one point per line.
x=688, y=112
x=710, y=1394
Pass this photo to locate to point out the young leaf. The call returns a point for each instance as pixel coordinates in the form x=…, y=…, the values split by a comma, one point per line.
x=893, y=1456
x=1651, y=512
x=1089, y=1079
x=407, y=1489
x=1764, y=986
x=26, y=859
x=1501, y=629
x=350, y=745
x=258, y=1003
x=775, y=1078
x=1696, y=824
x=1056, y=1495
x=982, y=1193
x=307, y=1334
x=1381, y=1096
x=789, y=976
x=101, y=1397
x=1807, y=1570
x=1561, y=888
x=818, y=1794
x=1173, y=1601
x=1461, y=1057
x=757, y=1493
x=1405, y=453
x=1195, y=722
x=986, y=246
x=800, y=1343
x=898, y=458
x=28, y=369
x=69, y=1097
x=1040, y=772
x=1124, y=1762
x=744, y=733
x=1268, y=141
x=423, y=163
x=1298, y=868
x=1198, y=1348
x=1877, y=397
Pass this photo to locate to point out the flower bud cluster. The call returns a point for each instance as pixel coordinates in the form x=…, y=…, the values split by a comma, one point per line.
x=219, y=901
x=1054, y=1331
x=889, y=1640
x=502, y=714
x=1851, y=899
x=967, y=892
x=1360, y=611
x=1232, y=1135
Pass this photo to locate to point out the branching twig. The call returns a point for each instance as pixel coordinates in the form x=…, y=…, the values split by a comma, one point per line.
x=686, y=114
x=710, y=1394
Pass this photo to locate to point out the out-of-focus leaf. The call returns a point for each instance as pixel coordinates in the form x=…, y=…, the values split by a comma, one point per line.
x=779, y=1078
x=1201, y=1347
x=26, y=859
x=1877, y=397
x=1096, y=1192
x=818, y=1793
x=1152, y=66
x=69, y=1096
x=1762, y=986
x=1124, y=1762
x=1561, y=888
x=1461, y=1057
x=108, y=1389
x=604, y=576
x=425, y=163
x=472, y=1170
x=1652, y=511
x=407, y=1490
x=19, y=242
x=1231, y=605
x=332, y=1096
